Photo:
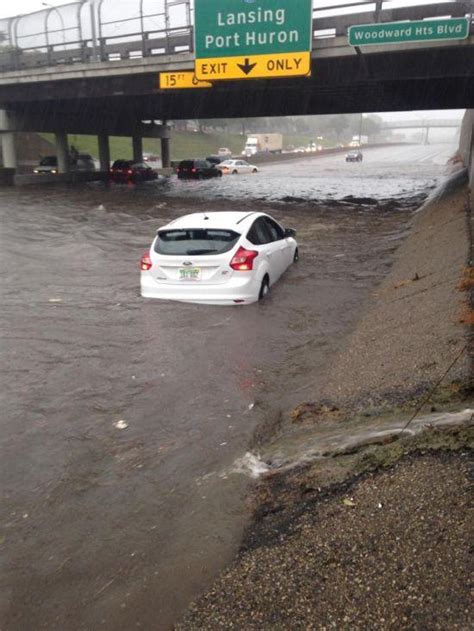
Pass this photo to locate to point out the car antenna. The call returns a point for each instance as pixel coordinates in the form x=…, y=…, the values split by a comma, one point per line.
x=205, y=217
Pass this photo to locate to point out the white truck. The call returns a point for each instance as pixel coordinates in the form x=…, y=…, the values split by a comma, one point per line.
x=357, y=142
x=263, y=143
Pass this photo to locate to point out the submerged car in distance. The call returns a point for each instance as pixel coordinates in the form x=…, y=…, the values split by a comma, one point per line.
x=224, y=152
x=78, y=162
x=217, y=258
x=197, y=170
x=236, y=166
x=354, y=156
x=131, y=171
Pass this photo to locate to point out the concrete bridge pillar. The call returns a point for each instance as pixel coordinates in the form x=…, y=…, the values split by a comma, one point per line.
x=8, y=141
x=62, y=151
x=9, y=150
x=137, y=148
x=165, y=153
x=104, y=152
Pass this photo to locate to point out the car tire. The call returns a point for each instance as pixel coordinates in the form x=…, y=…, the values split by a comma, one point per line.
x=264, y=287
x=296, y=256
x=234, y=172
x=219, y=174
x=255, y=171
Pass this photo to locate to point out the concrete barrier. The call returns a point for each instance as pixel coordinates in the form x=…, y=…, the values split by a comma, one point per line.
x=466, y=146
x=7, y=176
x=60, y=178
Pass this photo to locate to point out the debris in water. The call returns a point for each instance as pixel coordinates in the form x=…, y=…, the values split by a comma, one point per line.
x=348, y=502
x=100, y=207
x=121, y=424
x=55, y=300
x=251, y=406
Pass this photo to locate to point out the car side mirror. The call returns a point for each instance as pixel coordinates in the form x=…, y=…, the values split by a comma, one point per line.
x=289, y=232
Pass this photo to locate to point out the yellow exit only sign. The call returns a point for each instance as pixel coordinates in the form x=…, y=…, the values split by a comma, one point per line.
x=258, y=66
x=181, y=80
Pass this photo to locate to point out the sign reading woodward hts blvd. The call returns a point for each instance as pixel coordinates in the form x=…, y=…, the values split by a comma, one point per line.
x=247, y=39
x=401, y=32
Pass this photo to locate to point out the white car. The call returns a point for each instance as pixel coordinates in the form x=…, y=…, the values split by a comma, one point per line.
x=224, y=152
x=236, y=166
x=218, y=258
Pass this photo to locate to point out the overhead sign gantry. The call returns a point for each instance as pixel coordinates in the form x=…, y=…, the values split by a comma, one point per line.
x=252, y=39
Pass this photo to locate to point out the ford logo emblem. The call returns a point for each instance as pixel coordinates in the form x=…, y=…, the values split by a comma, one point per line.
x=187, y=263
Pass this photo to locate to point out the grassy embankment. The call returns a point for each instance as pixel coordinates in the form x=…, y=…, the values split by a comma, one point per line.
x=183, y=144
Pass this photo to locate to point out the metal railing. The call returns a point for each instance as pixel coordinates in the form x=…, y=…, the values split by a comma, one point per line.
x=108, y=30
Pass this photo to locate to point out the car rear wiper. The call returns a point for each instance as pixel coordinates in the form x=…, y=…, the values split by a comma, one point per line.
x=196, y=252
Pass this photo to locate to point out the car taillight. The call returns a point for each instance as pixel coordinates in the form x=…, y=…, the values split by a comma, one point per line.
x=130, y=172
x=145, y=263
x=193, y=170
x=243, y=260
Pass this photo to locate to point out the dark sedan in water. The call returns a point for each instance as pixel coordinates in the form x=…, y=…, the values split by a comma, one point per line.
x=130, y=171
x=197, y=170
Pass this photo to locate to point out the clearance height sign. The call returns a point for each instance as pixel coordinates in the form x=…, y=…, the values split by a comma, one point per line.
x=249, y=39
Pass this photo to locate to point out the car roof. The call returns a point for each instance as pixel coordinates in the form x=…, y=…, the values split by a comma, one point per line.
x=223, y=219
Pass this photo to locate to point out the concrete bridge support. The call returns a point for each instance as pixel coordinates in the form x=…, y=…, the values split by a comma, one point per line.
x=104, y=152
x=62, y=151
x=8, y=140
x=137, y=142
x=165, y=153
x=9, y=150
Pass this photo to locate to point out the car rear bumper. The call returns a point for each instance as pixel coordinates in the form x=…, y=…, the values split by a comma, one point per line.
x=240, y=289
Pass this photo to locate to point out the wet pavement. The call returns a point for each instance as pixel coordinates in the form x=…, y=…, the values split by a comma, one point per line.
x=117, y=529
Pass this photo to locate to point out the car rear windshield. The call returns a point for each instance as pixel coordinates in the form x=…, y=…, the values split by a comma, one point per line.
x=121, y=164
x=195, y=241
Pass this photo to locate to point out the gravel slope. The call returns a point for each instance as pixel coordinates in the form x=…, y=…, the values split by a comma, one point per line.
x=390, y=549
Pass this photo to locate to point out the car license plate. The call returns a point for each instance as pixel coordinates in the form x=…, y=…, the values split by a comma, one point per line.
x=190, y=273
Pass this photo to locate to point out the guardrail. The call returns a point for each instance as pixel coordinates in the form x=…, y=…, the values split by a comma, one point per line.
x=90, y=31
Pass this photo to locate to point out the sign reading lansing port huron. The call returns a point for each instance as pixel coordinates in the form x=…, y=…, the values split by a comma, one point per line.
x=249, y=39
x=414, y=31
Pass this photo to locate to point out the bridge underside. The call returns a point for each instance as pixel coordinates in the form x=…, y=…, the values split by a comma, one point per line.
x=391, y=81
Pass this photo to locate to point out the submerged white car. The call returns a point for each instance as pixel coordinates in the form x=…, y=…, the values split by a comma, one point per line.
x=218, y=258
x=236, y=166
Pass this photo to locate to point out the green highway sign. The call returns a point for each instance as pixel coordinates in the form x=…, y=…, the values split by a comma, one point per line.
x=245, y=39
x=414, y=31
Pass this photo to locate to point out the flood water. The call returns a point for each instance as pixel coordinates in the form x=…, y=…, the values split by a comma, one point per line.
x=116, y=529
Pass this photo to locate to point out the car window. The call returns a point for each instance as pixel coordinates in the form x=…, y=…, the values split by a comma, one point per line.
x=186, y=164
x=276, y=231
x=203, y=164
x=195, y=241
x=259, y=233
x=49, y=161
